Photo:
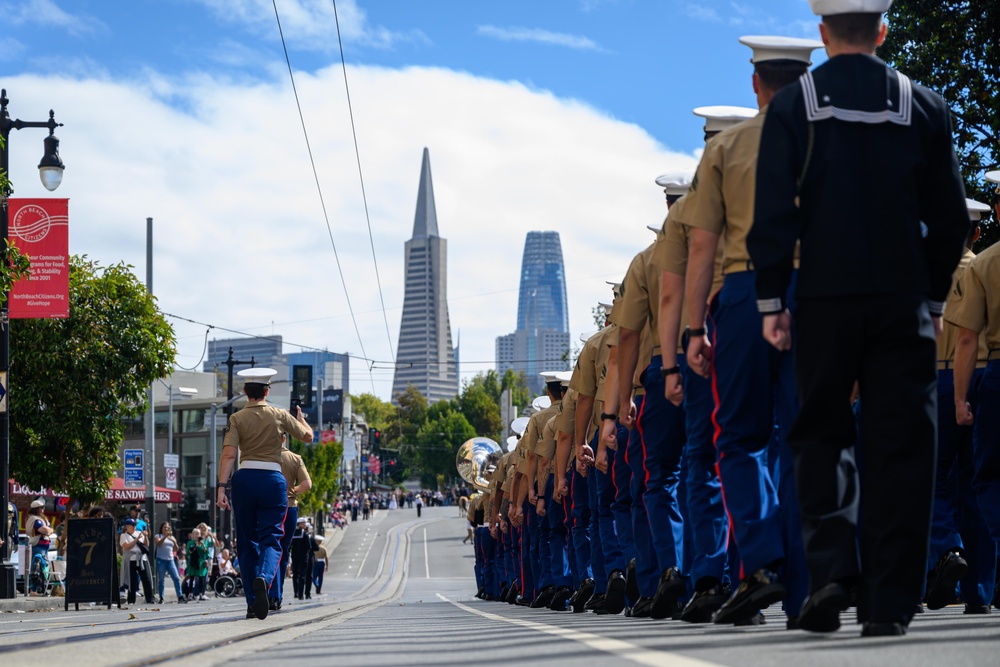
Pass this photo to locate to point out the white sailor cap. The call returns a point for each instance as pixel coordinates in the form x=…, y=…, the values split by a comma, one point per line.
x=587, y=335
x=564, y=377
x=615, y=287
x=654, y=228
x=550, y=376
x=257, y=375
x=976, y=209
x=718, y=118
x=606, y=306
x=301, y=519
x=993, y=177
x=767, y=47
x=512, y=441
x=318, y=538
x=519, y=424
x=541, y=402
x=834, y=7
x=677, y=183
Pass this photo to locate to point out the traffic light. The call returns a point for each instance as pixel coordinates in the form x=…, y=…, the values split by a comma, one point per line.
x=378, y=437
x=371, y=438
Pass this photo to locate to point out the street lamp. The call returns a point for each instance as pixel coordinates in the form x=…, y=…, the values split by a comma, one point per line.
x=50, y=170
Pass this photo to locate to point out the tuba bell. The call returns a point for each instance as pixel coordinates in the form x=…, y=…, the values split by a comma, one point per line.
x=476, y=459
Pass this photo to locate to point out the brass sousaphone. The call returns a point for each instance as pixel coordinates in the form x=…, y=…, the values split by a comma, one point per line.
x=476, y=459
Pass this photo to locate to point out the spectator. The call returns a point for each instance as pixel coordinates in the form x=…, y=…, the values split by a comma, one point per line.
x=226, y=564
x=39, y=531
x=166, y=551
x=320, y=564
x=135, y=562
x=197, y=565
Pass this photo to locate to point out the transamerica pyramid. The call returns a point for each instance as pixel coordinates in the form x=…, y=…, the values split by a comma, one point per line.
x=425, y=357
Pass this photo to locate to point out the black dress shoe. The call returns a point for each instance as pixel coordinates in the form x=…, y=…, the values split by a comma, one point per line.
x=976, y=608
x=503, y=592
x=754, y=593
x=544, y=597
x=642, y=607
x=596, y=604
x=756, y=619
x=703, y=604
x=481, y=593
x=273, y=604
x=949, y=569
x=488, y=597
x=260, y=604
x=919, y=609
x=582, y=596
x=792, y=623
x=882, y=629
x=614, y=598
x=522, y=601
x=632, y=582
x=821, y=610
x=558, y=602
x=250, y=613
x=512, y=594
x=670, y=588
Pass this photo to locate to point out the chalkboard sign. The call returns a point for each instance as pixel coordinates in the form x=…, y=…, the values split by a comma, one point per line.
x=91, y=571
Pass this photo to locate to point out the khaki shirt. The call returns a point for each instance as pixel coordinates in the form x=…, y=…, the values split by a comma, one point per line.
x=294, y=471
x=721, y=199
x=949, y=334
x=508, y=471
x=671, y=254
x=974, y=304
x=256, y=430
x=320, y=554
x=547, y=445
x=532, y=435
x=566, y=419
x=640, y=299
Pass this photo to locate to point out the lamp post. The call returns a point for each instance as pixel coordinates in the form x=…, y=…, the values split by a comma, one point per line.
x=50, y=170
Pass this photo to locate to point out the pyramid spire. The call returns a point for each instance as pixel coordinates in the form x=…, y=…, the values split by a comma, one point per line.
x=425, y=222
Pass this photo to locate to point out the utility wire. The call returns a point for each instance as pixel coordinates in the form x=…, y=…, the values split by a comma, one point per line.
x=319, y=188
x=361, y=177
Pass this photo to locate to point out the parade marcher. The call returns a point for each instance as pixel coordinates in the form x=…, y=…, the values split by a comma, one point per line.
x=555, y=511
x=135, y=562
x=297, y=481
x=321, y=563
x=755, y=400
x=852, y=155
x=961, y=549
x=259, y=493
x=974, y=307
x=310, y=566
x=300, y=550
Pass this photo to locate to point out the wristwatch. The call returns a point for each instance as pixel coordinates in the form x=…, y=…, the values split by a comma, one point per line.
x=605, y=416
x=670, y=371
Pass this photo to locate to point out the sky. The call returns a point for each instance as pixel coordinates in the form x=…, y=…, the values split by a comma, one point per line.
x=554, y=115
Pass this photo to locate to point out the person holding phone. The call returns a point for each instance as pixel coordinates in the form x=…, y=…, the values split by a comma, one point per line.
x=166, y=549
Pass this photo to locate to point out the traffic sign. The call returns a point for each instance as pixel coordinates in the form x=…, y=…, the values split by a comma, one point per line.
x=171, y=474
x=133, y=467
x=327, y=437
x=171, y=461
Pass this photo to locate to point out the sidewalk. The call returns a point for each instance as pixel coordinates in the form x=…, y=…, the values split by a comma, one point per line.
x=23, y=604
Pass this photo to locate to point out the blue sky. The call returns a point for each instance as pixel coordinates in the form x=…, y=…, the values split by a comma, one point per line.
x=538, y=115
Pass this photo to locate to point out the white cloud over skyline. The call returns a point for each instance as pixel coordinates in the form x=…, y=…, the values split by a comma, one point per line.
x=229, y=185
x=539, y=35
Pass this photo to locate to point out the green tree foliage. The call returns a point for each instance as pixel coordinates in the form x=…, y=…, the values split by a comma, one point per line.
x=323, y=463
x=377, y=413
x=74, y=381
x=518, y=385
x=953, y=47
x=438, y=440
x=481, y=409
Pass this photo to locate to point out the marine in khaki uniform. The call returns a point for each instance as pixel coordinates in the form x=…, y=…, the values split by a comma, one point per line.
x=961, y=549
x=260, y=495
x=297, y=481
x=607, y=560
x=555, y=511
x=755, y=386
x=974, y=307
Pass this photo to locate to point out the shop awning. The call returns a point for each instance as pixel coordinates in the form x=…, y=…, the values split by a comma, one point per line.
x=117, y=493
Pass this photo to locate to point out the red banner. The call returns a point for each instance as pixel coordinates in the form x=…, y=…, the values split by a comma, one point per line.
x=40, y=229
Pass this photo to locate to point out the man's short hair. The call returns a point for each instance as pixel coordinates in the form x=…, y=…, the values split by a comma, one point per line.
x=255, y=390
x=776, y=74
x=856, y=29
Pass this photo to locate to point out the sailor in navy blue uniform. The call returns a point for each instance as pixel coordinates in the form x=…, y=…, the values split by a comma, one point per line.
x=259, y=492
x=856, y=165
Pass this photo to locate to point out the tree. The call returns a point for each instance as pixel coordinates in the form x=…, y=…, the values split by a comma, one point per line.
x=377, y=413
x=438, y=441
x=481, y=410
x=323, y=463
x=518, y=385
x=76, y=380
x=951, y=47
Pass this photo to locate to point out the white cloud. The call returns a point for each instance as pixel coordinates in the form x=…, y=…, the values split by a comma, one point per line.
x=229, y=186
x=516, y=34
x=309, y=24
x=48, y=13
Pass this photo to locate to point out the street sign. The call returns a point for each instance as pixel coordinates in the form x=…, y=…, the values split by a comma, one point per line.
x=171, y=474
x=202, y=505
x=171, y=461
x=327, y=437
x=133, y=467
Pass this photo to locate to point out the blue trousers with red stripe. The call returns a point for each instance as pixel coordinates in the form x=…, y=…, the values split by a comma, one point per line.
x=661, y=424
x=646, y=566
x=259, y=505
x=986, y=446
x=558, y=553
x=580, y=510
x=529, y=552
x=277, y=588
x=621, y=508
x=755, y=395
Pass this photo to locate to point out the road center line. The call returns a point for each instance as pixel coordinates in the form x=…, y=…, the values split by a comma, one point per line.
x=615, y=647
x=427, y=562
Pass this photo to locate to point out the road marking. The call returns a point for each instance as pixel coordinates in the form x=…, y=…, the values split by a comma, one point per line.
x=361, y=567
x=427, y=562
x=616, y=647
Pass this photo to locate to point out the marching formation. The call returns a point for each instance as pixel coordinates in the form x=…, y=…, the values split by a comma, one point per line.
x=796, y=396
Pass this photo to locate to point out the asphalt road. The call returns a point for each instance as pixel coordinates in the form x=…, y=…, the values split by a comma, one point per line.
x=399, y=592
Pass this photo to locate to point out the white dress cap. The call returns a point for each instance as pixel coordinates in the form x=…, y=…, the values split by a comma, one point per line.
x=834, y=7
x=718, y=118
x=541, y=402
x=654, y=228
x=606, y=306
x=512, y=441
x=257, y=375
x=976, y=209
x=677, y=183
x=766, y=47
x=585, y=336
x=564, y=377
x=518, y=425
x=993, y=176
